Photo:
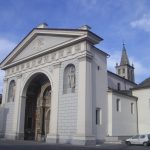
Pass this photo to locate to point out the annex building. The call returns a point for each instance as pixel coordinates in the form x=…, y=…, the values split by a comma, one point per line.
x=57, y=89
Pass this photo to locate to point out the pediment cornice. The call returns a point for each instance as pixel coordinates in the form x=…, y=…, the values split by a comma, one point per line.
x=77, y=35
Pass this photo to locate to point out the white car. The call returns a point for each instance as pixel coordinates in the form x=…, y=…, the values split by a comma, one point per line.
x=143, y=139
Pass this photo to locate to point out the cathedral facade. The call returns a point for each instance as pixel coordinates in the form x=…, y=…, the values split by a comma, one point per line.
x=57, y=89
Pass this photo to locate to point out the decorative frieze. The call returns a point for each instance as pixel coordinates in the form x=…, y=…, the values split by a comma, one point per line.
x=33, y=63
x=77, y=47
x=22, y=66
x=19, y=76
x=69, y=50
x=28, y=64
x=46, y=58
x=17, y=68
x=12, y=70
x=61, y=53
x=39, y=60
x=53, y=56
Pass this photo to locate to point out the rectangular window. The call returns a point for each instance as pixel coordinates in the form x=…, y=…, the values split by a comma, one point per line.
x=118, y=105
x=98, y=116
x=118, y=87
x=119, y=71
x=132, y=108
x=123, y=71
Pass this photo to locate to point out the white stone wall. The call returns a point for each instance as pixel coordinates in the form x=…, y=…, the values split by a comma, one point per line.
x=7, y=111
x=1, y=121
x=67, y=107
x=123, y=122
x=8, y=120
x=143, y=109
x=124, y=84
x=99, y=89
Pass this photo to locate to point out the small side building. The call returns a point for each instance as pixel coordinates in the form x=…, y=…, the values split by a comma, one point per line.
x=142, y=91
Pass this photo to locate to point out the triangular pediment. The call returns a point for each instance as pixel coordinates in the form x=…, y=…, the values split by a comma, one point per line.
x=39, y=44
x=41, y=41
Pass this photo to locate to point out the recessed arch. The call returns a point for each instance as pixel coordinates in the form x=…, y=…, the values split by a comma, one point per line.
x=31, y=76
x=35, y=109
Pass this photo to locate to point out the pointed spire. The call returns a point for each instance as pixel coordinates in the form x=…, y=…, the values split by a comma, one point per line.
x=124, y=57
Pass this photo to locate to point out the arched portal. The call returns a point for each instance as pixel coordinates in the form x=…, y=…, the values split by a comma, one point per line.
x=37, y=107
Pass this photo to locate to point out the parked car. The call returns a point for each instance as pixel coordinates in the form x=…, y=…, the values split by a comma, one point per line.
x=143, y=139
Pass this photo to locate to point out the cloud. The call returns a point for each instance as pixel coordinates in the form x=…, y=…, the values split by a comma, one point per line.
x=141, y=71
x=142, y=23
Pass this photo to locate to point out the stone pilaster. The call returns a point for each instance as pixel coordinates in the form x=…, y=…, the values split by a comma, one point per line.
x=84, y=134
x=4, y=95
x=52, y=137
x=2, y=108
x=21, y=117
x=17, y=100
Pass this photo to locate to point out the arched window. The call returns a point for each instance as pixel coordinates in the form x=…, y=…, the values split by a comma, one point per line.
x=11, y=92
x=69, y=81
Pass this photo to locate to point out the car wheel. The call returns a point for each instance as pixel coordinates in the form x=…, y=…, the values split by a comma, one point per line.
x=128, y=143
x=145, y=144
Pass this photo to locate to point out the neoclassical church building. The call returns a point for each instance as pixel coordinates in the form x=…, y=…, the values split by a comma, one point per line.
x=57, y=89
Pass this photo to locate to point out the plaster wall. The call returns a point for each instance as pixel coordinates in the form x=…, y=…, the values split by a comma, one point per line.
x=143, y=109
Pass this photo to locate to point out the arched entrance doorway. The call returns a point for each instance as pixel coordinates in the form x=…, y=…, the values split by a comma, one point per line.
x=37, y=108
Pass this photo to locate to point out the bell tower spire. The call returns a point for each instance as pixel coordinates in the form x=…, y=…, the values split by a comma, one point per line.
x=124, y=57
x=124, y=69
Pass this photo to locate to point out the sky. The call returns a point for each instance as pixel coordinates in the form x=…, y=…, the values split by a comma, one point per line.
x=113, y=20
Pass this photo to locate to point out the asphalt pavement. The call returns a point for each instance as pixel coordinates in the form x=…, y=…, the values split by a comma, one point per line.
x=21, y=145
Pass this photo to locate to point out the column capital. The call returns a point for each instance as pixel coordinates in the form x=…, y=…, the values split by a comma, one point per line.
x=57, y=65
x=86, y=56
x=5, y=79
x=19, y=76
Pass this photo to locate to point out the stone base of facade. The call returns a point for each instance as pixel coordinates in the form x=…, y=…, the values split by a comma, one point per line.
x=76, y=140
x=52, y=139
x=2, y=134
x=14, y=136
x=81, y=140
x=116, y=138
x=55, y=139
